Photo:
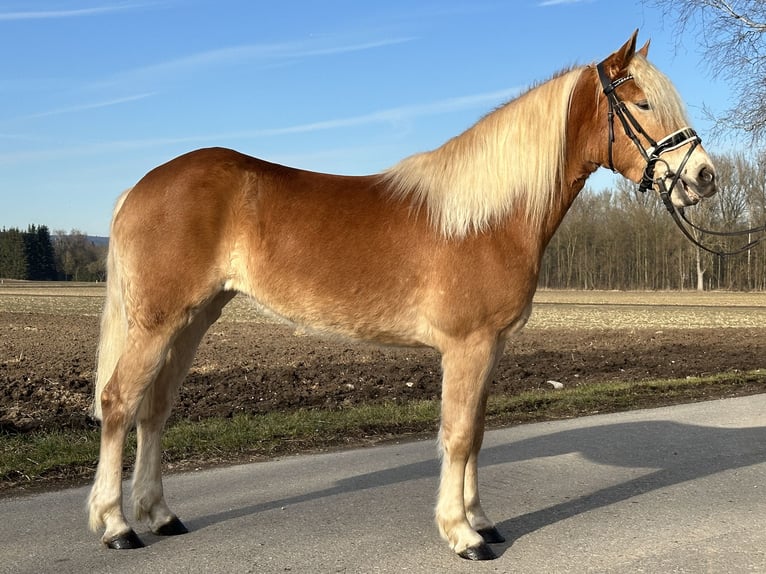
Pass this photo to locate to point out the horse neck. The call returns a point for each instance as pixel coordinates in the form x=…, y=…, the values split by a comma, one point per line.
x=585, y=150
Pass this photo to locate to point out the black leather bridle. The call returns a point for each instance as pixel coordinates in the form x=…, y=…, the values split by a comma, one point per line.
x=629, y=123
x=679, y=138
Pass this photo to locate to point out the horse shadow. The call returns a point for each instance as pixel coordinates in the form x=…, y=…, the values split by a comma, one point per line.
x=678, y=452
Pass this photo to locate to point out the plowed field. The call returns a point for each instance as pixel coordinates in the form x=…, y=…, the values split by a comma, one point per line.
x=247, y=363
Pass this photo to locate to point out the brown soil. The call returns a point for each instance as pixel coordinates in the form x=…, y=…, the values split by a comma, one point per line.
x=46, y=367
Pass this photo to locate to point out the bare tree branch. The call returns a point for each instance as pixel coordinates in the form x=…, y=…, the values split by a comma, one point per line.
x=732, y=35
x=726, y=6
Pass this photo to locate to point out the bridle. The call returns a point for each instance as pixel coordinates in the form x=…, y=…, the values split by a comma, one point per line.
x=630, y=123
x=652, y=155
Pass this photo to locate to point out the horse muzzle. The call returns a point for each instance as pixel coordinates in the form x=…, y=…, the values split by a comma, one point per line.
x=687, y=191
x=696, y=182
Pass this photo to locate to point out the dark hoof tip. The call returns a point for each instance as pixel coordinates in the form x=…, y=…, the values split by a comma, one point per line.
x=479, y=552
x=172, y=528
x=491, y=535
x=127, y=541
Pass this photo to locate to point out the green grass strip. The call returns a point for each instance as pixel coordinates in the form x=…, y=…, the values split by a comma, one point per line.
x=47, y=457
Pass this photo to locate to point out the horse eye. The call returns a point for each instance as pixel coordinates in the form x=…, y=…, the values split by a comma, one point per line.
x=643, y=105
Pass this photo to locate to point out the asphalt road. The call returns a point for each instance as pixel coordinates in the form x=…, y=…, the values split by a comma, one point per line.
x=677, y=489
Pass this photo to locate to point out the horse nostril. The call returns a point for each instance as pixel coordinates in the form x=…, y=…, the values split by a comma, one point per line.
x=706, y=179
x=707, y=176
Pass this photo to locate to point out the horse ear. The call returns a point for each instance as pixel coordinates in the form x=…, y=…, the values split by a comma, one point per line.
x=616, y=64
x=644, y=51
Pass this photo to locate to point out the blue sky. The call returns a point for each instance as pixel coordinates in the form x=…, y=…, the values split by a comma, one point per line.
x=93, y=94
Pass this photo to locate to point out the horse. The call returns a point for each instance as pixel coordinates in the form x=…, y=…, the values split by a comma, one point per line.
x=441, y=250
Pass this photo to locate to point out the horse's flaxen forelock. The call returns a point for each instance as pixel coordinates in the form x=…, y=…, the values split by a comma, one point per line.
x=660, y=92
x=511, y=159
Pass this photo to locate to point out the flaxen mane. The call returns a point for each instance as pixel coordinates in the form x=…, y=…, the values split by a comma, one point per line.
x=511, y=158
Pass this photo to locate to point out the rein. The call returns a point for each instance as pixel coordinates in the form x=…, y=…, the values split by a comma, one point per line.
x=652, y=155
x=678, y=215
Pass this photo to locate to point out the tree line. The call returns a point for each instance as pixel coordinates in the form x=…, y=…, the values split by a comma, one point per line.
x=622, y=239
x=36, y=255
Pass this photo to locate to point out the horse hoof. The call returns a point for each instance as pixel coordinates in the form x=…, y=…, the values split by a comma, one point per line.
x=172, y=528
x=478, y=552
x=127, y=541
x=491, y=535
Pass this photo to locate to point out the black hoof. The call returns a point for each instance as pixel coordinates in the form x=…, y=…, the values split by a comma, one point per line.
x=491, y=535
x=172, y=528
x=127, y=541
x=480, y=552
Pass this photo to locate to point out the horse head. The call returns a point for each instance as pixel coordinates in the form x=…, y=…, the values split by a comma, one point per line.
x=651, y=143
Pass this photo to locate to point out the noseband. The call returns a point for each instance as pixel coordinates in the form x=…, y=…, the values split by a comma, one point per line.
x=652, y=155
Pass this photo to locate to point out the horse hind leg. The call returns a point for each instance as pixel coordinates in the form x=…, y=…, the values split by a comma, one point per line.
x=135, y=370
x=147, y=490
x=467, y=369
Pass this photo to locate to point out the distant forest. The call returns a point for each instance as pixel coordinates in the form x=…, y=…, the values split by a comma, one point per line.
x=35, y=255
x=622, y=239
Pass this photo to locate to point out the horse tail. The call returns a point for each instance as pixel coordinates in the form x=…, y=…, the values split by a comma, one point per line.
x=114, y=320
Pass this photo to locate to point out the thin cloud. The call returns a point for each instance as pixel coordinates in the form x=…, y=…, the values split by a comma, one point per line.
x=562, y=2
x=265, y=53
x=57, y=14
x=390, y=115
x=19, y=137
x=90, y=106
x=397, y=114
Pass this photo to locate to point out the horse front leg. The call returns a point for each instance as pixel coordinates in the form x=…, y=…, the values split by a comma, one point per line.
x=467, y=369
x=473, y=509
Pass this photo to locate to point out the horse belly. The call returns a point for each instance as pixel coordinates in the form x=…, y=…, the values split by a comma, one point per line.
x=334, y=286
x=350, y=310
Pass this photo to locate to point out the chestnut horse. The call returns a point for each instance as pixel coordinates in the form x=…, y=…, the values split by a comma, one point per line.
x=441, y=250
